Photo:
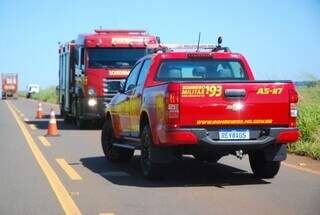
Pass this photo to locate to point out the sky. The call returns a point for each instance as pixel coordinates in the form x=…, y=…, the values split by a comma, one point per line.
x=280, y=39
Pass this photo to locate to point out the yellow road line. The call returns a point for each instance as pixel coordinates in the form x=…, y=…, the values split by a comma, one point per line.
x=33, y=126
x=301, y=168
x=68, y=169
x=57, y=186
x=106, y=213
x=44, y=141
x=16, y=109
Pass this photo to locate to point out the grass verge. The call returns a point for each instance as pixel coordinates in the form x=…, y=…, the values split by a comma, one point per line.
x=308, y=122
x=48, y=95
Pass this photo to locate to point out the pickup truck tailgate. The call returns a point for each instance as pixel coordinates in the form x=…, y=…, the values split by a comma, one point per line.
x=245, y=103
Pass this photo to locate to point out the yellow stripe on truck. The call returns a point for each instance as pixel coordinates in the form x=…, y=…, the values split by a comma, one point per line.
x=236, y=121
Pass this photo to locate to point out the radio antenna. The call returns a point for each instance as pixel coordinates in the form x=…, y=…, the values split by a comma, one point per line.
x=199, y=38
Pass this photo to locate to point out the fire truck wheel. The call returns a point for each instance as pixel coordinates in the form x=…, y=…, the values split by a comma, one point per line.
x=67, y=118
x=64, y=115
x=80, y=123
x=150, y=170
x=262, y=168
x=112, y=153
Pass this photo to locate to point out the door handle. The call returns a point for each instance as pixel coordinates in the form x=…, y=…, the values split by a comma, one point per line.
x=234, y=93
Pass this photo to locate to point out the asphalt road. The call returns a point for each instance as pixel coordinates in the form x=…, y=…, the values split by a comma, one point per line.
x=69, y=175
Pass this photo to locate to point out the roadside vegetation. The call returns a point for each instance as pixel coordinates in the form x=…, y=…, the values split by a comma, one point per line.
x=308, y=122
x=48, y=95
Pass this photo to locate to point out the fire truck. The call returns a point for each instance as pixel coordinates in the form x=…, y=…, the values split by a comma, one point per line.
x=9, y=85
x=92, y=67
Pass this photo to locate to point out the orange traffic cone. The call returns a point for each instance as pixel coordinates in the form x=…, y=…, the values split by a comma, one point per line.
x=39, y=114
x=52, y=126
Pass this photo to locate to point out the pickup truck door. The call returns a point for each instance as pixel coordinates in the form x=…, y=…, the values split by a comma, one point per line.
x=124, y=104
x=136, y=99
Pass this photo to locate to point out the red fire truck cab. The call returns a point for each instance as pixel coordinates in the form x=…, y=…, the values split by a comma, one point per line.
x=92, y=67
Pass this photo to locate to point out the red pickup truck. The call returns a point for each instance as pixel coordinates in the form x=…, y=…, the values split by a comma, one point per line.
x=203, y=103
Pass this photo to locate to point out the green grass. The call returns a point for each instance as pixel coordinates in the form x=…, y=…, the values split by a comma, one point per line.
x=22, y=94
x=308, y=122
x=48, y=95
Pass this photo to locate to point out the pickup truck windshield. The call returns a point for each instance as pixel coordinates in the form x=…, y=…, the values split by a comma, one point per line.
x=114, y=57
x=201, y=70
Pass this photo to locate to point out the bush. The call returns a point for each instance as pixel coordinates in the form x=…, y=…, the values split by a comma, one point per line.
x=308, y=122
x=48, y=95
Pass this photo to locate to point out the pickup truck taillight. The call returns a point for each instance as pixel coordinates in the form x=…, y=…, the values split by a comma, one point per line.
x=173, y=115
x=293, y=100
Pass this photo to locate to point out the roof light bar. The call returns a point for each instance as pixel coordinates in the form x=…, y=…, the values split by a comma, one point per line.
x=189, y=46
x=106, y=31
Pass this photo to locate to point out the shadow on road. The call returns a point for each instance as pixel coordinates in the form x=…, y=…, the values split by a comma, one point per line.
x=47, y=116
x=186, y=172
x=43, y=124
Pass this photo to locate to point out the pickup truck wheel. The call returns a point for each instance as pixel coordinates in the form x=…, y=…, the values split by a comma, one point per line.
x=262, y=168
x=150, y=170
x=112, y=153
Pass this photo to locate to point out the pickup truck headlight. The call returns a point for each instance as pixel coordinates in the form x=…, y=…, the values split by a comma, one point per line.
x=91, y=91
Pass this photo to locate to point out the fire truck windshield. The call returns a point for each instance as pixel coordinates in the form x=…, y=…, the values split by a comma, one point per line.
x=114, y=57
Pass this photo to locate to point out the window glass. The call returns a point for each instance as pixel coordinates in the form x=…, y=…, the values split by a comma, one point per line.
x=132, y=78
x=82, y=56
x=201, y=70
x=114, y=57
x=143, y=72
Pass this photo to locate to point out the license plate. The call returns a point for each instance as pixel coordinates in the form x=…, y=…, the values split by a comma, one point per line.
x=234, y=135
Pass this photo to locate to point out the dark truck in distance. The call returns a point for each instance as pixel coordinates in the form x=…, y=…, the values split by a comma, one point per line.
x=203, y=103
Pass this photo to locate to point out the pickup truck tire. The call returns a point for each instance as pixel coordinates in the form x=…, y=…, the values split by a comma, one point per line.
x=261, y=167
x=112, y=153
x=150, y=170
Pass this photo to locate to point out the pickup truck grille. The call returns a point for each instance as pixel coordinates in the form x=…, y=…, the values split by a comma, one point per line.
x=110, y=88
